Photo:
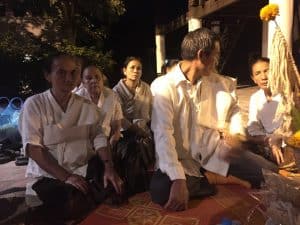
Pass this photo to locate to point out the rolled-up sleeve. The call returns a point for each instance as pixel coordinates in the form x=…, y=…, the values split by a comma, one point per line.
x=254, y=127
x=100, y=138
x=30, y=124
x=236, y=122
x=163, y=128
x=117, y=114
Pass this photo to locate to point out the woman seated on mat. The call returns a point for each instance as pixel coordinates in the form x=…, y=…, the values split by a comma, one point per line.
x=262, y=121
x=106, y=99
x=135, y=98
x=62, y=134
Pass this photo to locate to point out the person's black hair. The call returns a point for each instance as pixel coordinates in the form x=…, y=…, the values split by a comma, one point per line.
x=129, y=59
x=254, y=58
x=47, y=65
x=168, y=64
x=201, y=39
x=95, y=66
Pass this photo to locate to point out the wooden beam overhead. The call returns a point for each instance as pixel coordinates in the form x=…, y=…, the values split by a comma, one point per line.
x=172, y=26
x=209, y=6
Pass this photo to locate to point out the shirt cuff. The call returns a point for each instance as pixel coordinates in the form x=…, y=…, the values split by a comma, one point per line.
x=175, y=172
x=100, y=142
x=216, y=164
x=25, y=143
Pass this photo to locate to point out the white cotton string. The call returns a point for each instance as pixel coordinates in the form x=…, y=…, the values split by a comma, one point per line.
x=284, y=79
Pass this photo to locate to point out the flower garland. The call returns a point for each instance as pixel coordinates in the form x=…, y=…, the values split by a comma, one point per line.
x=284, y=77
x=269, y=12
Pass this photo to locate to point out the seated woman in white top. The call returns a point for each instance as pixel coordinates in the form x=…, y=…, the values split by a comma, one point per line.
x=107, y=100
x=62, y=133
x=262, y=122
x=136, y=146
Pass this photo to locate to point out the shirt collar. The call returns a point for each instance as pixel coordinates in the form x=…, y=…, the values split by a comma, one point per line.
x=178, y=75
x=276, y=97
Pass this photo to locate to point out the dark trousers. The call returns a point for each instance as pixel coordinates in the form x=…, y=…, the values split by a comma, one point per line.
x=248, y=167
x=63, y=202
x=160, y=186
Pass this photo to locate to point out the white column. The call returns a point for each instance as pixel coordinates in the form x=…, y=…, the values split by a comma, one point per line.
x=194, y=23
x=160, y=51
x=215, y=26
x=284, y=20
x=264, y=40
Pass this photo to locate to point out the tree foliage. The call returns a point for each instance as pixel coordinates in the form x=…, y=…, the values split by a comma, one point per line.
x=77, y=27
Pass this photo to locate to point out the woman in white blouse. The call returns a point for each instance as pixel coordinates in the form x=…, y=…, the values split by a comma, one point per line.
x=262, y=121
x=106, y=99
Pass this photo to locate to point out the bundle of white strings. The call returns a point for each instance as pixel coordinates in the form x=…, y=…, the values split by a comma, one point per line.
x=283, y=79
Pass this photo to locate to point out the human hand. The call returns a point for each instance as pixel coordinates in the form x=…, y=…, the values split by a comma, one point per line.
x=110, y=175
x=276, y=154
x=115, y=138
x=142, y=132
x=274, y=140
x=78, y=182
x=232, y=146
x=179, y=196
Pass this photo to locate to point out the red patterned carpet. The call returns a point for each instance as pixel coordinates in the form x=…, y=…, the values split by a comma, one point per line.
x=233, y=202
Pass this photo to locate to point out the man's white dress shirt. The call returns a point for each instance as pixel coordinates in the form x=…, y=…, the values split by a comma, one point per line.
x=186, y=119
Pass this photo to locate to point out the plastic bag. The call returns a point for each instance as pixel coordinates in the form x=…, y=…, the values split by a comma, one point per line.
x=133, y=155
x=281, y=197
x=10, y=115
x=4, y=102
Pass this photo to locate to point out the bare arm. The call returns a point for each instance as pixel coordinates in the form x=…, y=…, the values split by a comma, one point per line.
x=46, y=161
x=115, y=132
x=109, y=171
x=179, y=196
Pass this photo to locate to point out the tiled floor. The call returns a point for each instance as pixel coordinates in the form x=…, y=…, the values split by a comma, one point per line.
x=12, y=176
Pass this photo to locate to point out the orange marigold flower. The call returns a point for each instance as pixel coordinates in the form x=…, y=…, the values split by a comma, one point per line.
x=269, y=12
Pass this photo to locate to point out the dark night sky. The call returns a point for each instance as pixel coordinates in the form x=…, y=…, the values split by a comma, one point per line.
x=135, y=32
x=134, y=35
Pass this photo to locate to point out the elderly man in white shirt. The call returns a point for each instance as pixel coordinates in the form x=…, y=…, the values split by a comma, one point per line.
x=195, y=112
x=61, y=133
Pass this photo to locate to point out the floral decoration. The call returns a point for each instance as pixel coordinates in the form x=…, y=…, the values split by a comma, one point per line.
x=269, y=12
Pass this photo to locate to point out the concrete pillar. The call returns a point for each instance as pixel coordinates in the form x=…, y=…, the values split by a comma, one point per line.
x=215, y=26
x=160, y=51
x=284, y=20
x=264, y=40
x=194, y=23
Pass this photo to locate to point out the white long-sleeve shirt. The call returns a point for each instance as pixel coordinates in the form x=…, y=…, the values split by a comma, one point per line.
x=186, y=119
x=262, y=114
x=109, y=105
x=71, y=136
